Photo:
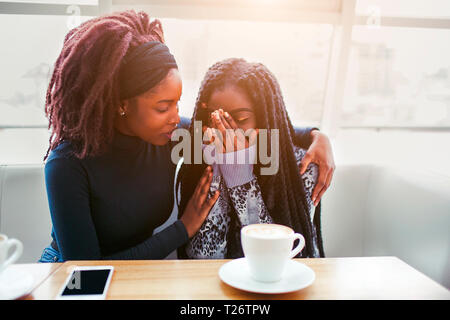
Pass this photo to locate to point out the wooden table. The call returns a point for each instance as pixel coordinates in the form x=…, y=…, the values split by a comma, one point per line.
x=336, y=278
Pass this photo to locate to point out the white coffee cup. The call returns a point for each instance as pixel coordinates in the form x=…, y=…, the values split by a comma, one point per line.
x=267, y=249
x=5, y=245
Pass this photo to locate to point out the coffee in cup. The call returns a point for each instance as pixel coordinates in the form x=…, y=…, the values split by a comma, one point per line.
x=5, y=245
x=267, y=249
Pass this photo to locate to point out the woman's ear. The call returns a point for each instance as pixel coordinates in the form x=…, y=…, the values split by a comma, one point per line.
x=124, y=107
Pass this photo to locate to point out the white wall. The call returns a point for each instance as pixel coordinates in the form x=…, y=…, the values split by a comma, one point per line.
x=408, y=215
x=24, y=212
x=390, y=211
x=343, y=206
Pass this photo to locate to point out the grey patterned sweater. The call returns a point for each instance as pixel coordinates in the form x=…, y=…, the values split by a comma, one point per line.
x=239, y=190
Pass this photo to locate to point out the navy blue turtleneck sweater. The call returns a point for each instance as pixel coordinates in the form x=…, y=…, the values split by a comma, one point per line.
x=107, y=207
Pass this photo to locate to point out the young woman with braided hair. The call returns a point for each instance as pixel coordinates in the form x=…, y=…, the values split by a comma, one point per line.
x=112, y=105
x=237, y=94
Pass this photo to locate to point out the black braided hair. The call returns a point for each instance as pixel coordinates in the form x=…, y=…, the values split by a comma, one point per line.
x=284, y=192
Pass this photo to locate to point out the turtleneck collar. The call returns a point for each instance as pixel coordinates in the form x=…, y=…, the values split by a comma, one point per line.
x=123, y=141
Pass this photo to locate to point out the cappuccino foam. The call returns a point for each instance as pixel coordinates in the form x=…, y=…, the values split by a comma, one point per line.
x=268, y=231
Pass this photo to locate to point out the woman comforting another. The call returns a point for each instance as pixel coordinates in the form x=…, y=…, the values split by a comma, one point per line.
x=112, y=105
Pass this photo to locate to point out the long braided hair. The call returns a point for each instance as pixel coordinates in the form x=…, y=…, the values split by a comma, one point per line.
x=83, y=95
x=283, y=193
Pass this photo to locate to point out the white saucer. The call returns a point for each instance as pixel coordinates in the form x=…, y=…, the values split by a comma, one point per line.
x=296, y=276
x=15, y=284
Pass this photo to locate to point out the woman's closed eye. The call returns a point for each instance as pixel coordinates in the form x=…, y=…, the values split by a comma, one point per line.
x=241, y=120
x=162, y=110
x=165, y=108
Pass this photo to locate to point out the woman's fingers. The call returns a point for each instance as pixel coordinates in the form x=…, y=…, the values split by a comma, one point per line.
x=215, y=119
x=253, y=136
x=201, y=182
x=220, y=125
x=307, y=159
x=218, y=122
x=325, y=187
x=208, y=136
x=234, y=136
x=223, y=120
x=240, y=141
x=203, y=193
x=321, y=183
x=230, y=120
x=237, y=134
x=230, y=135
x=210, y=203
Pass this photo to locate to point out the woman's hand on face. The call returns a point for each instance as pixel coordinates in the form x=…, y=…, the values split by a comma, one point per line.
x=319, y=152
x=231, y=138
x=199, y=206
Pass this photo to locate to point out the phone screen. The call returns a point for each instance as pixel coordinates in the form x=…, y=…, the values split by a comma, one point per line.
x=86, y=282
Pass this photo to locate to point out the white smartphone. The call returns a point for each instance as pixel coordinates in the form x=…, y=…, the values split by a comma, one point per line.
x=87, y=283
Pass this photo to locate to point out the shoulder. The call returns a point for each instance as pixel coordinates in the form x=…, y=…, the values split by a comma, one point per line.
x=303, y=136
x=62, y=159
x=64, y=150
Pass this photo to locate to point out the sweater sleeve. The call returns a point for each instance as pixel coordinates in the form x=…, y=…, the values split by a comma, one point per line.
x=249, y=204
x=184, y=123
x=243, y=188
x=69, y=201
x=68, y=198
x=303, y=136
x=158, y=246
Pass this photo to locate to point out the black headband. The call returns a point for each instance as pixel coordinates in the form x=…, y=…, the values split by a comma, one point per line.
x=144, y=67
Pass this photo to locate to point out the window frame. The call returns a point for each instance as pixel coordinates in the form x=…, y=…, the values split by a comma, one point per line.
x=339, y=13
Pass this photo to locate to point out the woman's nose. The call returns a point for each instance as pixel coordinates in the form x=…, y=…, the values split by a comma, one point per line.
x=175, y=117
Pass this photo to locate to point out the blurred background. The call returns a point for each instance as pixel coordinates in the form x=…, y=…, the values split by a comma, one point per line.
x=374, y=75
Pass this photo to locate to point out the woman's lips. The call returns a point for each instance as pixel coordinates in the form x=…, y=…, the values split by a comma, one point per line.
x=169, y=134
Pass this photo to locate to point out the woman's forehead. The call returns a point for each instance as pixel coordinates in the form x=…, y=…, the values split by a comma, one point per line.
x=230, y=99
x=168, y=89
